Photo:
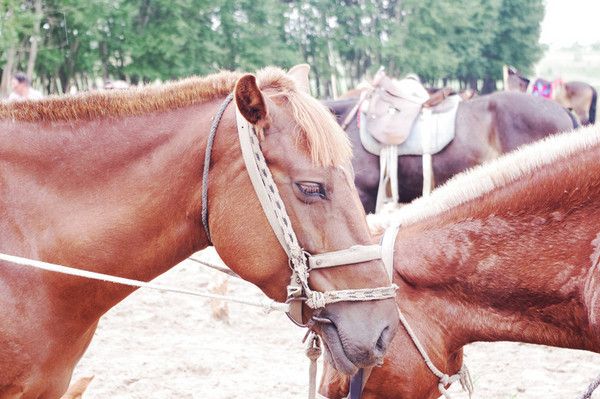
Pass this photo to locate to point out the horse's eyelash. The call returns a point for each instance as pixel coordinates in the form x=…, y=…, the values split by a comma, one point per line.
x=312, y=189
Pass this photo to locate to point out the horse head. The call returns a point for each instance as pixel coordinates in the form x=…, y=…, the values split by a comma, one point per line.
x=308, y=156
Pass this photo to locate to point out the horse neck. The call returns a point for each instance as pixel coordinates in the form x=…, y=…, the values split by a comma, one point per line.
x=519, y=264
x=118, y=196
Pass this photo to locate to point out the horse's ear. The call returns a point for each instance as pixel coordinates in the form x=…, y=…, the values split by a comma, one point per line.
x=251, y=102
x=299, y=73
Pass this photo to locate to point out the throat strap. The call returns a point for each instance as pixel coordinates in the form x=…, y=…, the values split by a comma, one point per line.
x=209, y=144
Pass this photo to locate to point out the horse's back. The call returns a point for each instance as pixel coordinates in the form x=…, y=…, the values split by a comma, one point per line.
x=521, y=118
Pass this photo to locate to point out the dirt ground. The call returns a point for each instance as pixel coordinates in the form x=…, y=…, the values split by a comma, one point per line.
x=162, y=345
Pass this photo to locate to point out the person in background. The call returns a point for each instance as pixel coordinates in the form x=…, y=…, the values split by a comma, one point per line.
x=115, y=85
x=22, y=89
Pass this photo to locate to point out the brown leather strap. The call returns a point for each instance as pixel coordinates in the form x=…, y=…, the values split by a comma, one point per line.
x=354, y=110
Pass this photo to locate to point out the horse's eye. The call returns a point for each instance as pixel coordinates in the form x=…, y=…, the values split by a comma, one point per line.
x=312, y=189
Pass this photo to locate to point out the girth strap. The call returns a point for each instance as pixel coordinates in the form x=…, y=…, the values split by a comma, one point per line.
x=388, y=177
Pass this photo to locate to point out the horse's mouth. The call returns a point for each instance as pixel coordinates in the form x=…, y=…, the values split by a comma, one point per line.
x=334, y=350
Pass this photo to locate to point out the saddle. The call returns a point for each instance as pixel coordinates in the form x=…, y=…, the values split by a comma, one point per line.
x=393, y=108
x=393, y=121
x=543, y=88
x=433, y=125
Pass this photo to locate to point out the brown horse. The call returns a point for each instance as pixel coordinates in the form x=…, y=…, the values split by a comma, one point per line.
x=111, y=182
x=486, y=127
x=513, y=79
x=507, y=252
x=581, y=97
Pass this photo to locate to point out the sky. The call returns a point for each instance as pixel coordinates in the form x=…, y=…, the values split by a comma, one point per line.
x=569, y=21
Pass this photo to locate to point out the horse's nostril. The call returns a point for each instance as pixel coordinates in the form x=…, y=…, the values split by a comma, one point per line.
x=381, y=344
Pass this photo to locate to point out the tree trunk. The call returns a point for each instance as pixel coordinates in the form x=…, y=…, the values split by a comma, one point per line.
x=473, y=83
x=333, y=77
x=489, y=85
x=317, y=82
x=35, y=38
x=7, y=72
x=103, y=51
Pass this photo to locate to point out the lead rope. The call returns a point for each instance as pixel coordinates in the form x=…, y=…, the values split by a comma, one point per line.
x=268, y=305
x=591, y=388
x=387, y=242
x=313, y=352
x=463, y=374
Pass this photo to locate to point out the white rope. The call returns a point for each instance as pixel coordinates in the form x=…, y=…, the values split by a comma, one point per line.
x=320, y=299
x=591, y=388
x=463, y=374
x=313, y=352
x=267, y=304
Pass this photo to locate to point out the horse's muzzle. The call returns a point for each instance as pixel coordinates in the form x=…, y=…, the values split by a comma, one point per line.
x=359, y=333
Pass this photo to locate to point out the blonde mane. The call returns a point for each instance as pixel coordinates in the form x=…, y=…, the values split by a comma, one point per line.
x=326, y=141
x=483, y=179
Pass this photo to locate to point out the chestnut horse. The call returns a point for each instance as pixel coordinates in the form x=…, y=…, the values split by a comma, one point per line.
x=111, y=182
x=507, y=252
x=581, y=97
x=486, y=127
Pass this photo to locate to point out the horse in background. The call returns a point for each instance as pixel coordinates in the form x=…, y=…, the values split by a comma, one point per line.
x=580, y=97
x=111, y=182
x=438, y=94
x=509, y=251
x=485, y=127
x=514, y=80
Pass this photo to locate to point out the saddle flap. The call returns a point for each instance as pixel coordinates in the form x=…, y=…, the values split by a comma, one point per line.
x=393, y=109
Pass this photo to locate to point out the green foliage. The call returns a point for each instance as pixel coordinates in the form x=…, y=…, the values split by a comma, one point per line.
x=16, y=20
x=145, y=40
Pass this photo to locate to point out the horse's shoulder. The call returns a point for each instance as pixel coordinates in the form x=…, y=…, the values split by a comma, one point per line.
x=15, y=361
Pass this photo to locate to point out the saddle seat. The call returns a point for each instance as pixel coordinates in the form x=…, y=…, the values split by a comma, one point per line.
x=393, y=108
x=437, y=123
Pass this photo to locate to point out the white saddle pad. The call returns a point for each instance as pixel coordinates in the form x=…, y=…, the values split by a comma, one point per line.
x=440, y=127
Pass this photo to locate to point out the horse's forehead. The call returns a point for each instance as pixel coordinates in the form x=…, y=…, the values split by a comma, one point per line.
x=281, y=113
x=346, y=172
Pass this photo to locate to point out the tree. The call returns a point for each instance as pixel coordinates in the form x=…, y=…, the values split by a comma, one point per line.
x=68, y=43
x=16, y=20
x=515, y=40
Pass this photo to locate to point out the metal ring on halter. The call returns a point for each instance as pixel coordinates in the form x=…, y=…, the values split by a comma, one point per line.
x=299, y=301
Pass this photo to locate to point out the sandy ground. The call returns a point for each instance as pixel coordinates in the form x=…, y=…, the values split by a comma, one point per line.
x=161, y=345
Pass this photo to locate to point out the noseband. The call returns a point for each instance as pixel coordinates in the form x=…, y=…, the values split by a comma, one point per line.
x=300, y=261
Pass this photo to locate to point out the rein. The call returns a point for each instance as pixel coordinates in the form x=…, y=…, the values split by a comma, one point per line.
x=209, y=144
